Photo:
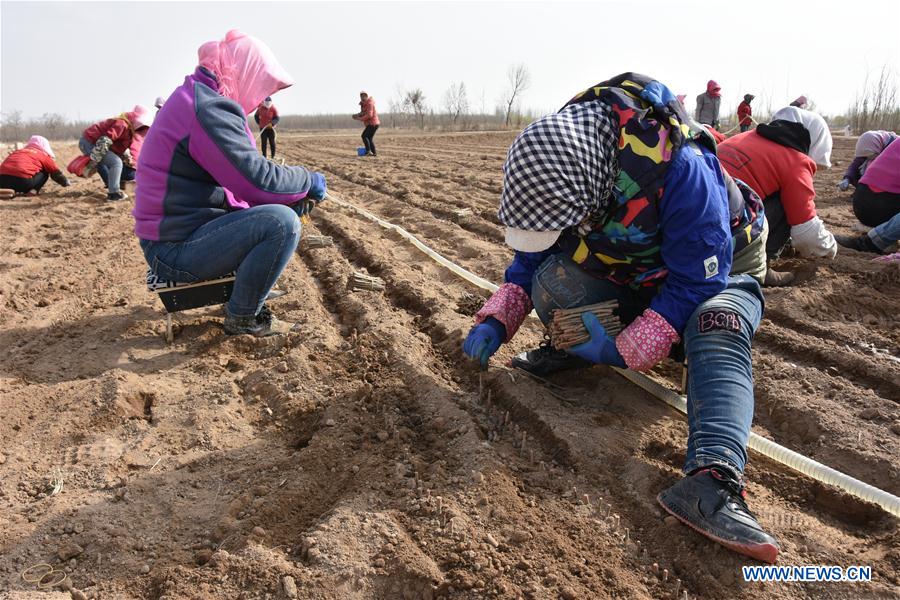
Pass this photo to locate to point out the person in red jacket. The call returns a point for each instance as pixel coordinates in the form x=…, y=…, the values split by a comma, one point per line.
x=369, y=117
x=27, y=170
x=778, y=160
x=745, y=113
x=267, y=118
x=113, y=146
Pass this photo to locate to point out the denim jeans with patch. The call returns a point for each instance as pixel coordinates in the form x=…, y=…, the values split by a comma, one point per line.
x=256, y=242
x=111, y=164
x=716, y=342
x=886, y=234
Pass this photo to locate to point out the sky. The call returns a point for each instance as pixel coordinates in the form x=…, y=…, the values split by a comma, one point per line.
x=91, y=60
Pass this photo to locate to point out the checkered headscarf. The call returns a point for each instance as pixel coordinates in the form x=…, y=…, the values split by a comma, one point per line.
x=561, y=169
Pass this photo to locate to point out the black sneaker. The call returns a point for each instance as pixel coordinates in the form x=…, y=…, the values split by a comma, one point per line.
x=264, y=324
x=546, y=360
x=116, y=197
x=860, y=243
x=711, y=502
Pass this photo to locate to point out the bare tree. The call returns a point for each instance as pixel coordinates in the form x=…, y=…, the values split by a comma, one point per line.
x=456, y=101
x=877, y=106
x=12, y=126
x=53, y=124
x=519, y=80
x=396, y=108
x=414, y=102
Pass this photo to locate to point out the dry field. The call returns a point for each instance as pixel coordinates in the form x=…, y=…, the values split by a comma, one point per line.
x=356, y=456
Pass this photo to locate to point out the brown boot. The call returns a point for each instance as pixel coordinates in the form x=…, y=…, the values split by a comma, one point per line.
x=777, y=278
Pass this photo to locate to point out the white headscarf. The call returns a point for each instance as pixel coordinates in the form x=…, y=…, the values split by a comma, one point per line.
x=819, y=134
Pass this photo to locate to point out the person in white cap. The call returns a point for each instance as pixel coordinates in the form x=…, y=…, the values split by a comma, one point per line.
x=113, y=145
x=779, y=160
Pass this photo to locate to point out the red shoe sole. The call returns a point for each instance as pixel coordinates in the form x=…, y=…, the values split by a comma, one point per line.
x=764, y=552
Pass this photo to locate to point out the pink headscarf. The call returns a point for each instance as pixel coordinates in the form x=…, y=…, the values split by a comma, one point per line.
x=246, y=68
x=41, y=143
x=713, y=89
x=140, y=116
x=871, y=143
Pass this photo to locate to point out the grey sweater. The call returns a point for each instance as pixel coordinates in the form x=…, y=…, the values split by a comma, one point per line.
x=707, y=111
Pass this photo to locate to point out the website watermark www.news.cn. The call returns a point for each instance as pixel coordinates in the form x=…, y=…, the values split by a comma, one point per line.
x=807, y=573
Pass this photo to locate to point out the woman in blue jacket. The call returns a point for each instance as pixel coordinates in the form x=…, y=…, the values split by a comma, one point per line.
x=620, y=196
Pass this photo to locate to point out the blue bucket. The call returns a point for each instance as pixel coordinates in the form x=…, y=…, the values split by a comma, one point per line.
x=360, y=151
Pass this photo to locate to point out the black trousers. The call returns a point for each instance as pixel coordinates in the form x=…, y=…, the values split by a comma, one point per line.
x=745, y=128
x=779, y=230
x=874, y=208
x=24, y=185
x=268, y=137
x=367, y=137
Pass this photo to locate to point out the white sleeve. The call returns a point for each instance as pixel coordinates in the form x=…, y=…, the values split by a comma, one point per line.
x=812, y=239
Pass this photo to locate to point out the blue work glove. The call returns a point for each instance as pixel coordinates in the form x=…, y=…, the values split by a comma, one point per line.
x=601, y=349
x=304, y=207
x=484, y=340
x=317, y=187
x=844, y=185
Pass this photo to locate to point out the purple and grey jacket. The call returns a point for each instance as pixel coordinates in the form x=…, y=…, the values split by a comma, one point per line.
x=199, y=161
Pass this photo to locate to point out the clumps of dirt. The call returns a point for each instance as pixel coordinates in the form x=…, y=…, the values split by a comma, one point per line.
x=469, y=304
x=886, y=276
x=362, y=456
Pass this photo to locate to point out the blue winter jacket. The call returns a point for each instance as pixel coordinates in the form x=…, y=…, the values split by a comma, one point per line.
x=696, y=244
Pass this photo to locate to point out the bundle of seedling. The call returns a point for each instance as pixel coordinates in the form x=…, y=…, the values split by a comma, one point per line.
x=362, y=281
x=317, y=241
x=462, y=215
x=567, y=329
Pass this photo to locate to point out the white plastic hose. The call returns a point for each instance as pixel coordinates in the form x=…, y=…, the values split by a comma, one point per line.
x=458, y=270
x=778, y=453
x=764, y=446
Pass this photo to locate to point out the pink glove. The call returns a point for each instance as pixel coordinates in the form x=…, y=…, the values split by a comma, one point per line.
x=646, y=341
x=510, y=304
x=895, y=257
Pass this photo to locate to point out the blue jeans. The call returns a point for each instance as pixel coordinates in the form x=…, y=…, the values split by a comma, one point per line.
x=716, y=341
x=257, y=242
x=887, y=233
x=111, y=165
x=128, y=174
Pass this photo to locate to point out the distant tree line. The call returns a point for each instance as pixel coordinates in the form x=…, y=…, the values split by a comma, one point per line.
x=876, y=106
x=53, y=126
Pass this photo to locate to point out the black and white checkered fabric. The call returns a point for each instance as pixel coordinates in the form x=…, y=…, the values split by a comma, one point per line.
x=561, y=169
x=155, y=284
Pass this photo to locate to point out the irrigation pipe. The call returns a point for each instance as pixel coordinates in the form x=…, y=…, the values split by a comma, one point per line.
x=764, y=446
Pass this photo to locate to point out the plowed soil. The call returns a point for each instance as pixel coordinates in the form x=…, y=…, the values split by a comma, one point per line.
x=362, y=456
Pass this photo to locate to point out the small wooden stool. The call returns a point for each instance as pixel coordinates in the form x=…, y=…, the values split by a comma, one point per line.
x=177, y=297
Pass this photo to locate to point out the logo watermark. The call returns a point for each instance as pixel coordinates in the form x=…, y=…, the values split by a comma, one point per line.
x=807, y=573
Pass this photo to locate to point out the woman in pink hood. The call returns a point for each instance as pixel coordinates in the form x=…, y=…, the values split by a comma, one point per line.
x=114, y=145
x=207, y=203
x=707, y=111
